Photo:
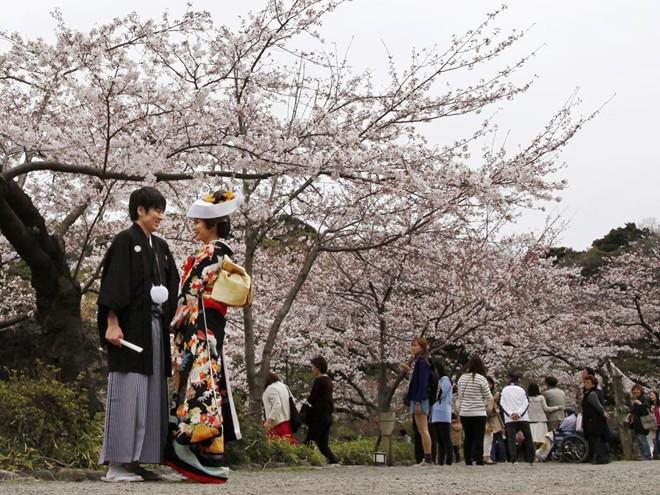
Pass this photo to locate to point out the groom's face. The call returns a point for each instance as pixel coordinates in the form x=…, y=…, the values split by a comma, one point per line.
x=150, y=219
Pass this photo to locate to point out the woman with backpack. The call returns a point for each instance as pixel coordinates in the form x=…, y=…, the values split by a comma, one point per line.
x=417, y=397
x=441, y=415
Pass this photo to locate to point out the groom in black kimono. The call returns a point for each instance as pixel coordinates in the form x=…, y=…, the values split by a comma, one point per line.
x=137, y=300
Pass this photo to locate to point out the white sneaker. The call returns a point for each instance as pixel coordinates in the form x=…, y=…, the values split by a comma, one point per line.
x=119, y=474
x=424, y=463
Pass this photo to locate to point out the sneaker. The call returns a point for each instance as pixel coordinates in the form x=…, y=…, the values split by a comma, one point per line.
x=424, y=463
x=119, y=474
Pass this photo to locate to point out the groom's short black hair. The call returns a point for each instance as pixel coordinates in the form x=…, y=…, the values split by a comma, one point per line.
x=147, y=197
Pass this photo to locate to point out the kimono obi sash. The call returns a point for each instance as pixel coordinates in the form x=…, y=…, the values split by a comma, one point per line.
x=212, y=303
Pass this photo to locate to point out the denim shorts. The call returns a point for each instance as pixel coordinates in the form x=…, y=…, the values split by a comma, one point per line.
x=423, y=404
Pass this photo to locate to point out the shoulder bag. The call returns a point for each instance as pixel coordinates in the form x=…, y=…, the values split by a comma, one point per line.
x=233, y=287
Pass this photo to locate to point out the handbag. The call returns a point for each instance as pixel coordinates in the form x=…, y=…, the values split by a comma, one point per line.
x=305, y=413
x=490, y=406
x=233, y=287
x=295, y=417
x=648, y=422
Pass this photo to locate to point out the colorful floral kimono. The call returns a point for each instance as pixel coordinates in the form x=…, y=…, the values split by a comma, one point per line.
x=206, y=417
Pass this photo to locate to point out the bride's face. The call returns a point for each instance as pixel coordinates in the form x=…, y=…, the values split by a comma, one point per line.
x=202, y=233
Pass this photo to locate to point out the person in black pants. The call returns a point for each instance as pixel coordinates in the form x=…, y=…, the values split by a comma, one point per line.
x=594, y=421
x=319, y=415
x=441, y=415
x=473, y=397
x=515, y=405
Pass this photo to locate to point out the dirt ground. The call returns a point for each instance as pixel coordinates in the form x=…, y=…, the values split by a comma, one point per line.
x=640, y=478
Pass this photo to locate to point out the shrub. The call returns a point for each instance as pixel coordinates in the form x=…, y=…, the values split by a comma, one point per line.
x=46, y=422
x=255, y=448
x=360, y=452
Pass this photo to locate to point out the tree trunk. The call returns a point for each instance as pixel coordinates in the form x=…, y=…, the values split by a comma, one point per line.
x=269, y=344
x=254, y=391
x=384, y=398
x=58, y=295
x=621, y=411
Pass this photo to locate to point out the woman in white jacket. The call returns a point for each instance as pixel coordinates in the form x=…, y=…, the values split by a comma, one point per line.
x=277, y=410
x=538, y=408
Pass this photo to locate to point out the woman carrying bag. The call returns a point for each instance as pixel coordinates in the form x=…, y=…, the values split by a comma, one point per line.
x=205, y=412
x=277, y=409
x=474, y=398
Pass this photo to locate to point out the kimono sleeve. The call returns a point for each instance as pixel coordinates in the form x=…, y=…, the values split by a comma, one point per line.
x=204, y=273
x=115, y=291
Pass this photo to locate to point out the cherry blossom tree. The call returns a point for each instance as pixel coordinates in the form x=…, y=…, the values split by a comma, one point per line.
x=631, y=284
x=314, y=145
x=465, y=289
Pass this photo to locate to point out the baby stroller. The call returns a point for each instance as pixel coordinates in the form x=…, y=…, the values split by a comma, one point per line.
x=569, y=446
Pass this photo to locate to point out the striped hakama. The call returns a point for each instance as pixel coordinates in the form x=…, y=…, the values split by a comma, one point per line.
x=136, y=412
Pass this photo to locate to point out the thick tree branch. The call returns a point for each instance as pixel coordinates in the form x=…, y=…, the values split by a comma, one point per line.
x=55, y=166
x=10, y=322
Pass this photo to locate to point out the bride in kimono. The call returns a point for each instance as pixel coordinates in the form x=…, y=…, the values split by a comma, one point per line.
x=205, y=413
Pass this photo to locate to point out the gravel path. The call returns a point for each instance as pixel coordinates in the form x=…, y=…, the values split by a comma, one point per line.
x=640, y=478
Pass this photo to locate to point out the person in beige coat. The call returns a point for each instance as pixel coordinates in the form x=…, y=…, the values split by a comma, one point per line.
x=538, y=407
x=456, y=436
x=554, y=397
x=493, y=422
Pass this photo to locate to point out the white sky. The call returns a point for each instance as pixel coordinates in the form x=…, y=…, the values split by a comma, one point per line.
x=606, y=48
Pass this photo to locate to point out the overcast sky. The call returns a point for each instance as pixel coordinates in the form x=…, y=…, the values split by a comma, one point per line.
x=609, y=49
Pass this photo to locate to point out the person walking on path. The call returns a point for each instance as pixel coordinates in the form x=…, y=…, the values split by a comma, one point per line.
x=321, y=407
x=472, y=405
x=441, y=416
x=277, y=409
x=417, y=399
x=137, y=299
x=554, y=396
x=515, y=406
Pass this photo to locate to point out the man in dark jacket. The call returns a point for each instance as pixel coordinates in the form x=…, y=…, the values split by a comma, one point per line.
x=137, y=300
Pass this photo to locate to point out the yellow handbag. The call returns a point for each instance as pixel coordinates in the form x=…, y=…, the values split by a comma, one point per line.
x=233, y=287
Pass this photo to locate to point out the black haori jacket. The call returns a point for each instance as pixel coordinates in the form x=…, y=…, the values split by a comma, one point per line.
x=129, y=271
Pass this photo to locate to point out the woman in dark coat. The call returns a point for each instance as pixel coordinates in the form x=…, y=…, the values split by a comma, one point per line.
x=594, y=421
x=321, y=407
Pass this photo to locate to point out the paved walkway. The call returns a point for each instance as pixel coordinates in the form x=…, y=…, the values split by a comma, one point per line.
x=639, y=478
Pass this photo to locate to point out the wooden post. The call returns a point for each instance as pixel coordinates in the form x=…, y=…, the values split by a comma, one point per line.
x=621, y=411
x=386, y=421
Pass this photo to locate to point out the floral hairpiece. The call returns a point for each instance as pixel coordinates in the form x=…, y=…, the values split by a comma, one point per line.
x=226, y=196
